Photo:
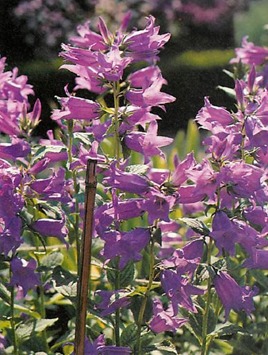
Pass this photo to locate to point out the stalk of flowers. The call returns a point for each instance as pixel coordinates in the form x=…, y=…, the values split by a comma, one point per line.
x=156, y=277
x=100, y=67
x=220, y=183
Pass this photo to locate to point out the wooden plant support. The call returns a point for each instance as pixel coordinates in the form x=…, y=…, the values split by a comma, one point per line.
x=85, y=258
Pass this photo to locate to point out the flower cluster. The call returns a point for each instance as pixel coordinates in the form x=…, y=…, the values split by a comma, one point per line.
x=170, y=244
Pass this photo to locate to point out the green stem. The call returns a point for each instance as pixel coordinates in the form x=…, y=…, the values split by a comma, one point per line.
x=145, y=298
x=204, y=348
x=116, y=94
x=76, y=188
x=12, y=320
x=117, y=312
x=42, y=309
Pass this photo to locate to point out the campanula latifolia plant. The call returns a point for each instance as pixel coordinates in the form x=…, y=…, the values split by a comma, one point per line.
x=179, y=251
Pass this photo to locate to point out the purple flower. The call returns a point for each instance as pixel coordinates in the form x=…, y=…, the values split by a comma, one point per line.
x=158, y=205
x=250, y=54
x=244, y=179
x=127, y=245
x=257, y=260
x=145, y=44
x=111, y=301
x=224, y=232
x=210, y=116
x=88, y=38
x=76, y=108
x=52, y=188
x=14, y=92
x=3, y=342
x=112, y=64
x=93, y=348
x=165, y=320
x=116, y=350
x=51, y=228
x=18, y=148
x=147, y=143
x=125, y=181
x=11, y=204
x=187, y=259
x=179, y=290
x=23, y=274
x=232, y=295
x=148, y=92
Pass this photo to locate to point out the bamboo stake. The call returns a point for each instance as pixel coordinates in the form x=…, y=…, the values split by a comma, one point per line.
x=85, y=259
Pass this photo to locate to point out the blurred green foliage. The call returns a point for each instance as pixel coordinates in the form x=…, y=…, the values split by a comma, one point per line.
x=251, y=23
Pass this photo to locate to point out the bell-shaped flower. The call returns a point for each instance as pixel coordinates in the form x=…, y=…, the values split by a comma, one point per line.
x=47, y=227
x=126, y=245
x=73, y=107
x=106, y=214
x=148, y=93
x=147, y=143
x=145, y=44
x=24, y=274
x=224, y=232
x=165, y=320
x=243, y=179
x=125, y=181
x=18, y=148
x=111, y=301
x=179, y=290
x=211, y=116
x=232, y=295
x=250, y=53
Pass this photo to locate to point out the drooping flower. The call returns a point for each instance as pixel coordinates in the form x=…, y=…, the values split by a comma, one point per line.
x=147, y=93
x=51, y=228
x=114, y=350
x=147, y=143
x=244, y=179
x=74, y=107
x=250, y=53
x=186, y=259
x=145, y=44
x=24, y=274
x=224, y=232
x=111, y=301
x=179, y=290
x=14, y=105
x=126, y=245
x=165, y=320
x=233, y=296
x=11, y=205
x=126, y=181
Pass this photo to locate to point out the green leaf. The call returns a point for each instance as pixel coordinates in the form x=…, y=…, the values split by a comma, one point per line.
x=260, y=277
x=228, y=329
x=85, y=138
x=40, y=152
x=164, y=348
x=69, y=290
x=196, y=225
x=65, y=282
x=52, y=260
x=129, y=335
x=135, y=306
x=4, y=293
x=122, y=278
x=27, y=329
x=28, y=311
x=138, y=169
x=157, y=236
x=229, y=91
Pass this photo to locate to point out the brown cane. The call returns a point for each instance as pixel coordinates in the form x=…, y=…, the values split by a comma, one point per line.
x=85, y=258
